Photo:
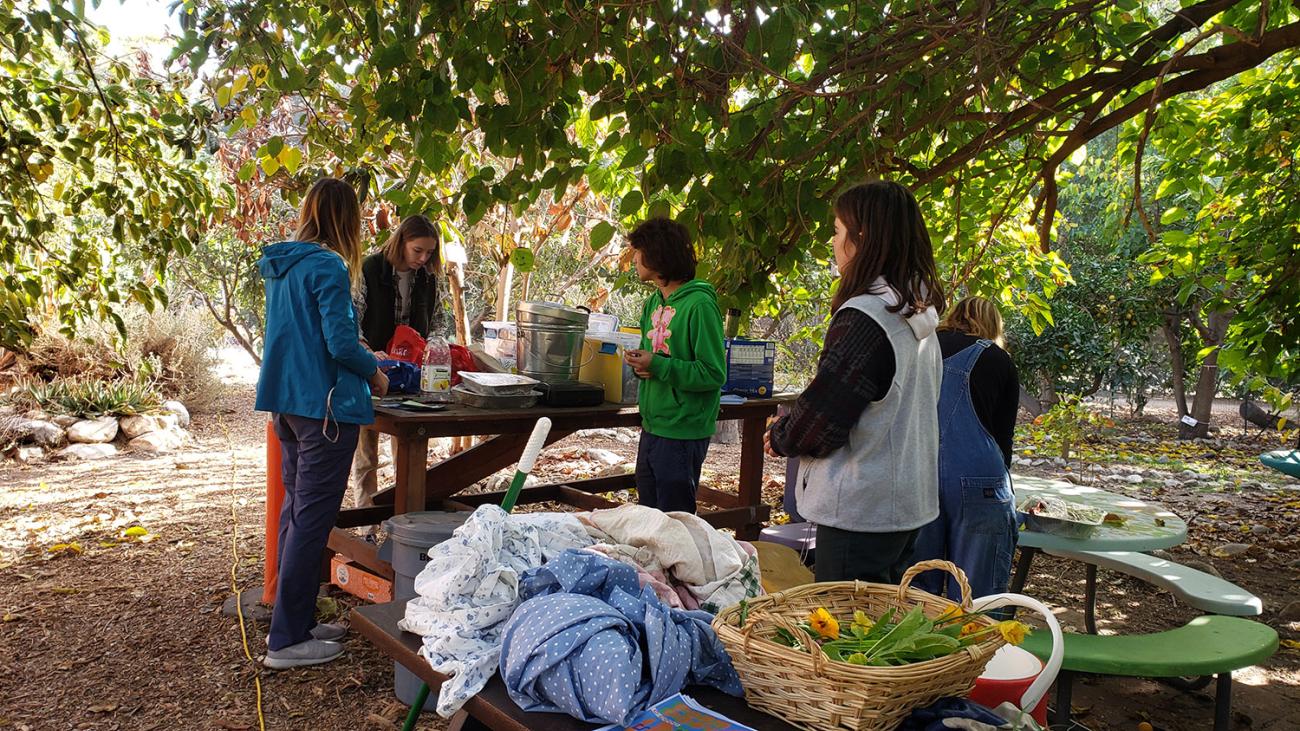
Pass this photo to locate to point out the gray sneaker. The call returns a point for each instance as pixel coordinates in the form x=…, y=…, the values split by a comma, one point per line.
x=328, y=631
x=310, y=652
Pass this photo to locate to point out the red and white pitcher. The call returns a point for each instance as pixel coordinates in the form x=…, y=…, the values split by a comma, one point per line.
x=1014, y=675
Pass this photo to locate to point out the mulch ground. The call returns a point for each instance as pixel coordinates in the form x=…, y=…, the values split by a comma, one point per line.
x=105, y=630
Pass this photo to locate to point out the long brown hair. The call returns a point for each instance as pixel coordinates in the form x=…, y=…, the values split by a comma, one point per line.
x=331, y=216
x=889, y=240
x=975, y=316
x=413, y=227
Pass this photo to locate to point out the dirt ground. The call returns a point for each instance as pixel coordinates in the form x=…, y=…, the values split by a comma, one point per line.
x=104, y=630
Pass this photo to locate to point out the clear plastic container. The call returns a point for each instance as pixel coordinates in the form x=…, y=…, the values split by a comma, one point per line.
x=435, y=372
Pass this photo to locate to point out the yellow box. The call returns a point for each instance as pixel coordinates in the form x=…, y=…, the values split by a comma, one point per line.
x=602, y=364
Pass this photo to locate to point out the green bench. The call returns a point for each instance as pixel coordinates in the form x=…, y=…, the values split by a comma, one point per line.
x=1286, y=461
x=1207, y=645
x=1206, y=592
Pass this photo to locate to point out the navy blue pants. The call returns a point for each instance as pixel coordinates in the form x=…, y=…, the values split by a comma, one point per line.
x=315, y=473
x=668, y=471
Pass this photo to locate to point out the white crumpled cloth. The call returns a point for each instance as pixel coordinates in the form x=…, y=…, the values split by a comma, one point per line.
x=715, y=568
x=470, y=587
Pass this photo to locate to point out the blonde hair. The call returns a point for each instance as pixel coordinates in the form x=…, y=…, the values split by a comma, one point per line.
x=975, y=316
x=413, y=227
x=331, y=216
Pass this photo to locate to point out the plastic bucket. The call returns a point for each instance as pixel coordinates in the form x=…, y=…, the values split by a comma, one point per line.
x=1014, y=675
x=410, y=536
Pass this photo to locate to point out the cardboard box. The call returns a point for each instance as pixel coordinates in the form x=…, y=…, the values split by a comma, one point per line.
x=751, y=367
x=602, y=364
x=358, y=582
x=499, y=338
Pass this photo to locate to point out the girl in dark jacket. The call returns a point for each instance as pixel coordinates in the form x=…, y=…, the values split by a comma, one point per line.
x=976, y=528
x=398, y=286
x=316, y=380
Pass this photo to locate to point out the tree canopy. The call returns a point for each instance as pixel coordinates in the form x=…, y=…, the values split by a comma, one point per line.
x=103, y=171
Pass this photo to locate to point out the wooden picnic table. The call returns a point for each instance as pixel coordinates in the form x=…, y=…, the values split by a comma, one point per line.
x=1147, y=526
x=419, y=487
x=492, y=707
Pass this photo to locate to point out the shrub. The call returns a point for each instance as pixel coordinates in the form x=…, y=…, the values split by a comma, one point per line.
x=90, y=396
x=1068, y=423
x=169, y=349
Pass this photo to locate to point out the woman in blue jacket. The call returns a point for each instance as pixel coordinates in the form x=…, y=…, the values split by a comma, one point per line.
x=316, y=381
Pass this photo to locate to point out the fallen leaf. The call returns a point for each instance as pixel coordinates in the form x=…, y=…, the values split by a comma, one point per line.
x=1291, y=644
x=103, y=708
x=11, y=617
x=136, y=531
x=74, y=547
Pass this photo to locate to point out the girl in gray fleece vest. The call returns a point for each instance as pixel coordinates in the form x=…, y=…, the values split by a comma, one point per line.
x=866, y=429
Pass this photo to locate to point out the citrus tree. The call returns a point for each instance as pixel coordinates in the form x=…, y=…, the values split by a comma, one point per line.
x=104, y=175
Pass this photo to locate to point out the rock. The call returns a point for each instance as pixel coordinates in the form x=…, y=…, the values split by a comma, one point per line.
x=1038, y=462
x=162, y=440
x=178, y=408
x=604, y=457
x=617, y=470
x=41, y=433
x=1230, y=550
x=93, y=431
x=134, y=426
x=88, y=451
x=1018, y=460
x=1259, y=529
x=1134, y=479
x=1172, y=484
x=1165, y=555
x=1290, y=613
x=65, y=420
x=1205, y=566
x=625, y=439
x=597, y=433
x=1058, y=461
x=27, y=455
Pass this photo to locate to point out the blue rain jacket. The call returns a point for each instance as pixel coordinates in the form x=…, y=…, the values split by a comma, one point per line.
x=312, y=360
x=589, y=641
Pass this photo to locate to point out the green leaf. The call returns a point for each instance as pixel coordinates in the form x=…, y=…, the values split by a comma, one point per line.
x=631, y=203
x=1172, y=215
x=223, y=96
x=247, y=170
x=600, y=235
x=270, y=165
x=290, y=157
x=522, y=259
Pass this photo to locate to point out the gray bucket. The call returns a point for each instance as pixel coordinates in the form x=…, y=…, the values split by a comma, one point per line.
x=549, y=338
x=410, y=536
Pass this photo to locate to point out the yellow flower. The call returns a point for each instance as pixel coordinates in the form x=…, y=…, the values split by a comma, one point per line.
x=971, y=628
x=1013, y=631
x=860, y=619
x=824, y=624
x=952, y=612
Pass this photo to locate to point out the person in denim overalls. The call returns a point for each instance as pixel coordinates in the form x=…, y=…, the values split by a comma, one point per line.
x=977, y=527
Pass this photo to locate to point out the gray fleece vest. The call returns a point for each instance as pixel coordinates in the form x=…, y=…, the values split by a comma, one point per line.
x=886, y=478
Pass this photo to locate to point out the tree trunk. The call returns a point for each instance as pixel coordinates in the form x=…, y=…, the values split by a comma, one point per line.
x=505, y=278
x=456, y=283
x=1047, y=396
x=1207, y=383
x=1174, y=339
x=1030, y=403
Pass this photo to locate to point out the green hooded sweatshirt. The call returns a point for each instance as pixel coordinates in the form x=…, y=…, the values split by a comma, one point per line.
x=680, y=398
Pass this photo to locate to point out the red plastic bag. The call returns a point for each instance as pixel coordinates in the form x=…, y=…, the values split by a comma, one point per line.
x=461, y=360
x=406, y=345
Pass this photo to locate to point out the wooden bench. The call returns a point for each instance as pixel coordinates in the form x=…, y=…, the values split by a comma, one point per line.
x=1208, y=645
x=492, y=707
x=1198, y=589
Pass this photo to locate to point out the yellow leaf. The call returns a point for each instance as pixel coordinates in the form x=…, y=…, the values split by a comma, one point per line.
x=135, y=531
x=74, y=547
x=1291, y=644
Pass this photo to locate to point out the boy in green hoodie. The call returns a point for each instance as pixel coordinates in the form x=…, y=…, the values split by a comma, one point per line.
x=682, y=363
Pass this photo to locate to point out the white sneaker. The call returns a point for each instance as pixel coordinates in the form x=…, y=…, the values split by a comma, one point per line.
x=328, y=631
x=309, y=652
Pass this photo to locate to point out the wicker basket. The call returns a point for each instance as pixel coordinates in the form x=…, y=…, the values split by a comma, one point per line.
x=811, y=691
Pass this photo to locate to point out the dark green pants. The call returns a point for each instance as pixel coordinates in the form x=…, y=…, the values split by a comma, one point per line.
x=845, y=555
